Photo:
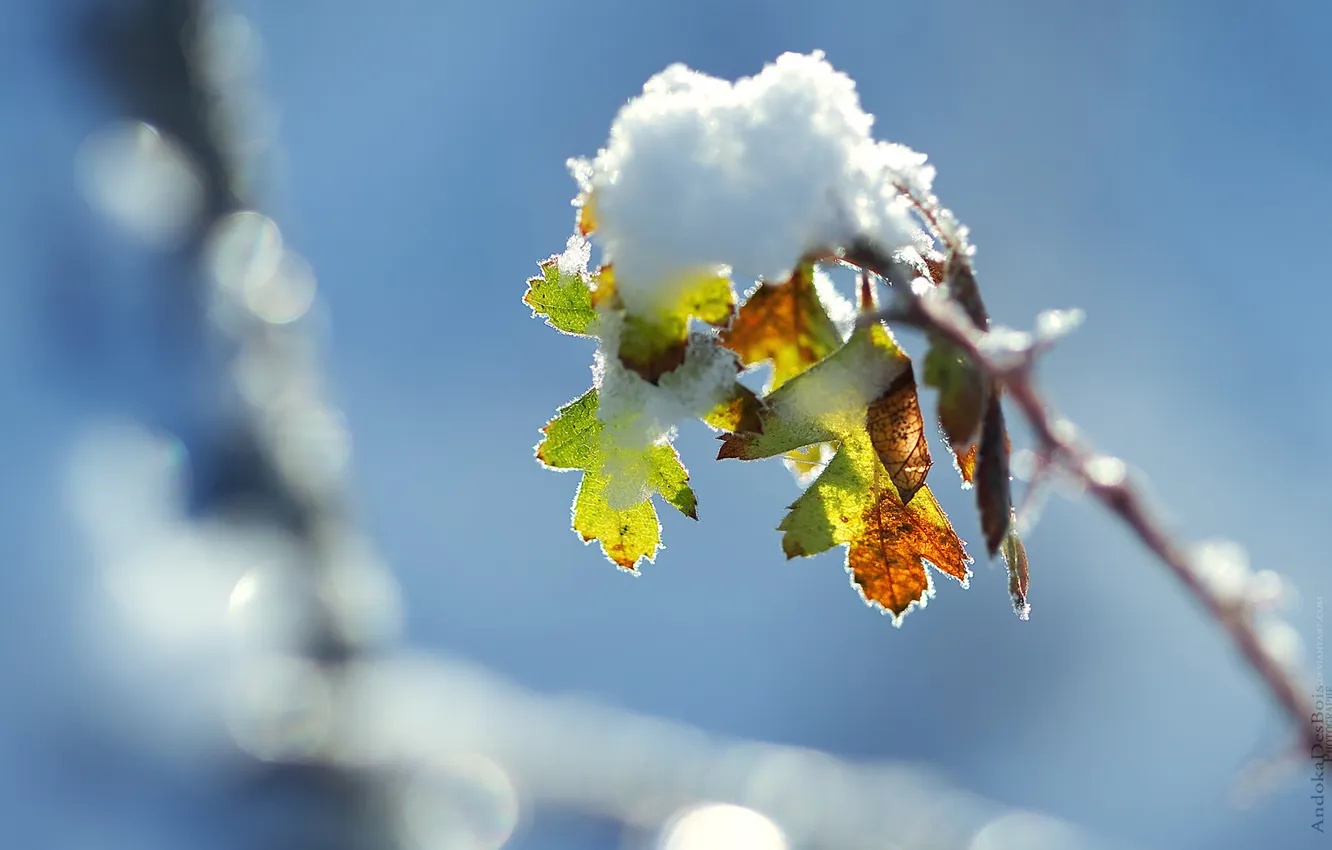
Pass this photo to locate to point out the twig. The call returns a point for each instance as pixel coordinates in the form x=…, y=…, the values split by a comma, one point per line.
x=932, y=310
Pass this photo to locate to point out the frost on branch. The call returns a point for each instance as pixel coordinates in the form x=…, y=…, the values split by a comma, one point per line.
x=705, y=184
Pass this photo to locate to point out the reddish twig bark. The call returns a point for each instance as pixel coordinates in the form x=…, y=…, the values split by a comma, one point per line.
x=1010, y=368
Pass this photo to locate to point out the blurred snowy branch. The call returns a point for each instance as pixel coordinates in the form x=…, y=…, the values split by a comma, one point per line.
x=214, y=615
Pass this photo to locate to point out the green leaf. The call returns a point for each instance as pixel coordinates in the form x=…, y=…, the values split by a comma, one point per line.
x=1015, y=558
x=656, y=344
x=667, y=476
x=830, y=510
x=574, y=439
x=962, y=398
x=825, y=402
x=564, y=300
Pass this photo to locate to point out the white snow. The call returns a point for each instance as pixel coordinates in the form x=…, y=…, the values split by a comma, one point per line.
x=700, y=172
x=840, y=389
x=637, y=413
x=840, y=309
x=747, y=177
x=577, y=253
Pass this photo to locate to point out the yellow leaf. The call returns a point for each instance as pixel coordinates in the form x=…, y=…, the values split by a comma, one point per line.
x=626, y=535
x=587, y=214
x=575, y=439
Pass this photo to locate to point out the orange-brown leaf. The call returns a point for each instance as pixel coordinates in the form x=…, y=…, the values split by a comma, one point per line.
x=966, y=463
x=887, y=560
x=897, y=431
x=852, y=503
x=785, y=323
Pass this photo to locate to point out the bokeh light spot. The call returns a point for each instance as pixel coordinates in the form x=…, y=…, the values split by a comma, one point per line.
x=467, y=802
x=721, y=826
x=141, y=180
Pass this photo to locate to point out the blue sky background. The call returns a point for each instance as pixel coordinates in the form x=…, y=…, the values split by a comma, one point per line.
x=1164, y=166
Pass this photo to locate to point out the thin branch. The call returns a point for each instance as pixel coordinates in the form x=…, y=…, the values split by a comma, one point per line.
x=1010, y=369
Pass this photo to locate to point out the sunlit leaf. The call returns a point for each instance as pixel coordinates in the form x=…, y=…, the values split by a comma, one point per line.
x=863, y=388
x=827, y=401
x=962, y=392
x=853, y=502
x=656, y=344
x=572, y=440
x=897, y=432
x=563, y=299
x=741, y=411
x=785, y=323
x=1015, y=558
x=627, y=534
x=809, y=461
x=667, y=476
